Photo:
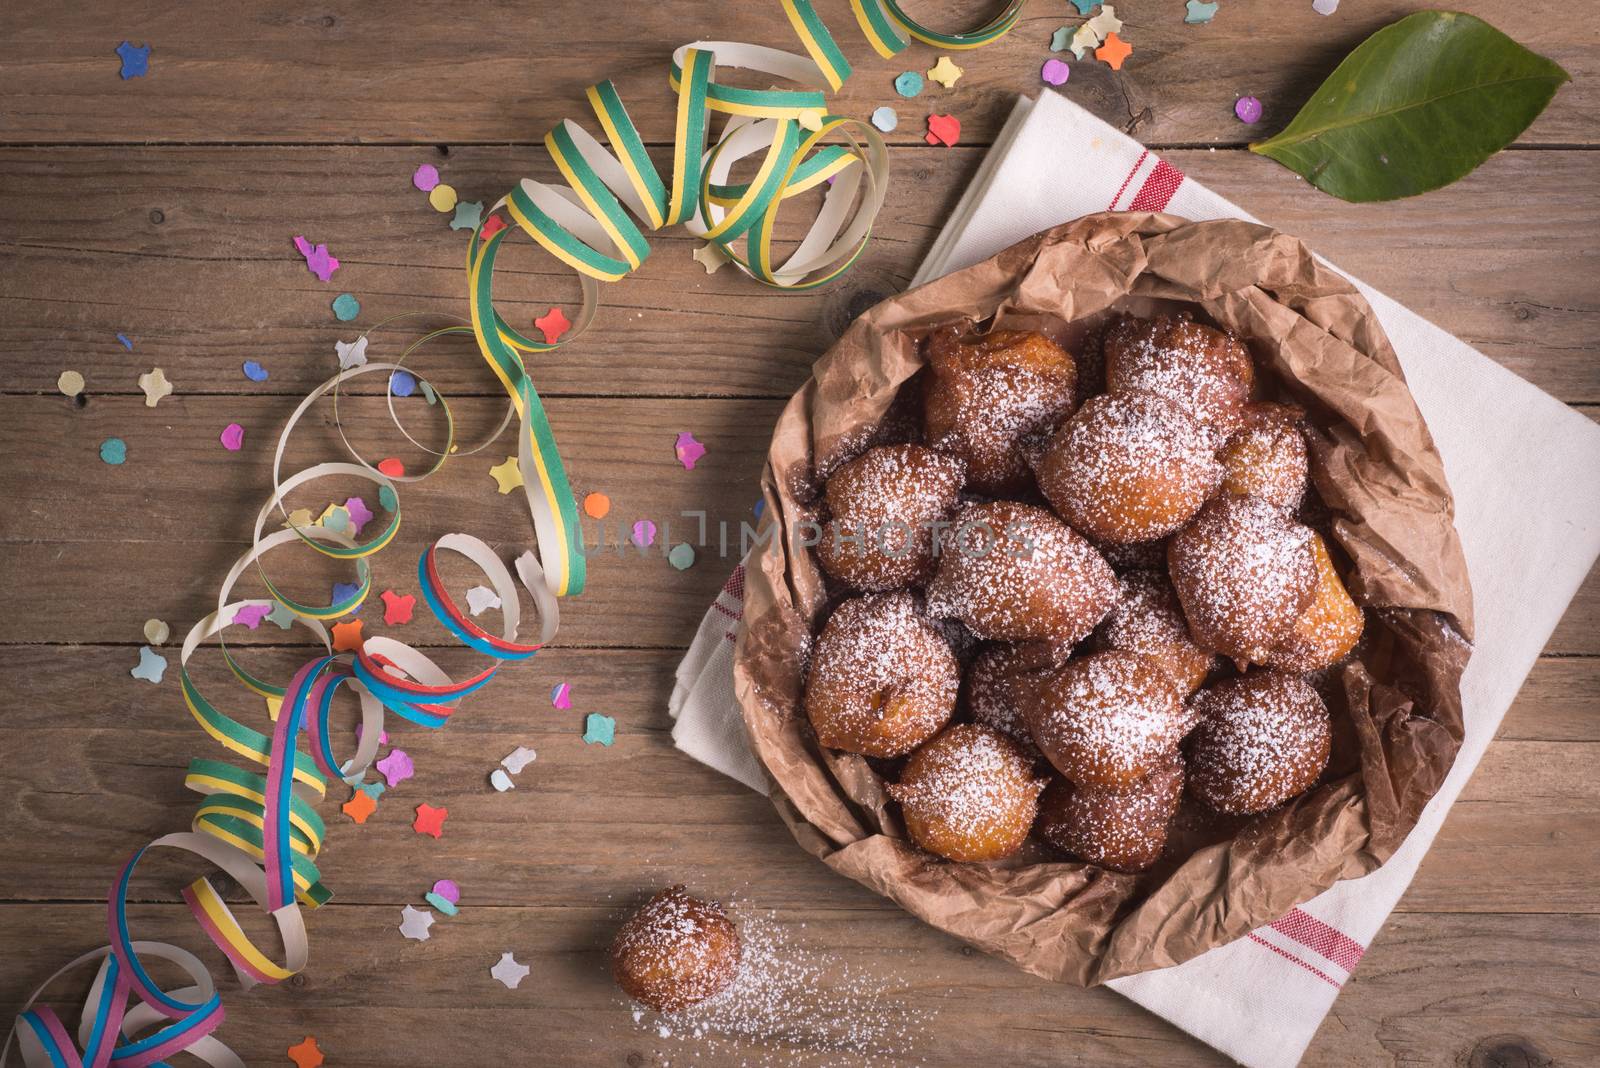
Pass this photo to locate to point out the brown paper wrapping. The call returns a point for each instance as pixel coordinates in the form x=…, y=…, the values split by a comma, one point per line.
x=1375, y=466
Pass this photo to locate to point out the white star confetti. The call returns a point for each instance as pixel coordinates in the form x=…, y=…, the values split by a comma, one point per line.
x=509, y=972
x=351, y=353
x=414, y=923
x=710, y=257
x=480, y=599
x=520, y=758
x=155, y=386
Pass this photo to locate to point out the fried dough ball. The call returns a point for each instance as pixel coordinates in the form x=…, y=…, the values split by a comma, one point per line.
x=1121, y=828
x=1148, y=620
x=676, y=951
x=884, y=504
x=1108, y=719
x=1014, y=572
x=996, y=685
x=1267, y=457
x=1204, y=371
x=1327, y=631
x=984, y=395
x=1129, y=467
x=970, y=794
x=883, y=679
x=1263, y=738
x=1244, y=573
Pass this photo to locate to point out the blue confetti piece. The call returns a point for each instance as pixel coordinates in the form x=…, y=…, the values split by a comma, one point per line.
x=127, y=343
x=254, y=371
x=441, y=903
x=402, y=383
x=908, y=84
x=343, y=591
x=152, y=665
x=1085, y=6
x=135, y=60
x=761, y=506
x=599, y=729
x=1197, y=12
x=885, y=119
x=113, y=450
x=469, y=213
x=387, y=498
x=346, y=307
x=282, y=615
x=373, y=789
x=427, y=392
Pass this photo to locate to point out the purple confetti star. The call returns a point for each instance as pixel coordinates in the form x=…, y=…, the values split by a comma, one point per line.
x=318, y=261
x=396, y=767
x=251, y=615
x=688, y=450
x=359, y=513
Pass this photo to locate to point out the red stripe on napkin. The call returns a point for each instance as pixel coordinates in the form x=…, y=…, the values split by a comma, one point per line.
x=1318, y=972
x=1159, y=186
x=1321, y=938
x=1131, y=172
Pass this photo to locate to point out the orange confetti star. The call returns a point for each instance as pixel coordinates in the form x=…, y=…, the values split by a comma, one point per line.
x=1113, y=52
x=430, y=820
x=306, y=1054
x=553, y=325
x=347, y=636
x=360, y=806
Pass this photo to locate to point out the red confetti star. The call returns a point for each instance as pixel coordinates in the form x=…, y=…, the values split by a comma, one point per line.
x=306, y=1054
x=360, y=806
x=492, y=226
x=397, y=607
x=347, y=636
x=392, y=467
x=942, y=130
x=1113, y=52
x=553, y=325
x=430, y=820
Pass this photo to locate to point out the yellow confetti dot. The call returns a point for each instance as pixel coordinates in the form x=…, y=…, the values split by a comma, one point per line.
x=156, y=631
x=507, y=475
x=945, y=72
x=442, y=197
x=811, y=119
x=70, y=383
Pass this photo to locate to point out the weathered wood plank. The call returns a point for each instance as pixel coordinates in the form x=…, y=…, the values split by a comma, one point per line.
x=1433, y=990
x=261, y=71
x=187, y=251
x=84, y=733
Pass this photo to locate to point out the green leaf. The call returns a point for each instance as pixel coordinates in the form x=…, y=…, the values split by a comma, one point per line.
x=1419, y=104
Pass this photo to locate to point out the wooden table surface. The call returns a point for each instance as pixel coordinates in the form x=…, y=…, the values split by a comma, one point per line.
x=162, y=208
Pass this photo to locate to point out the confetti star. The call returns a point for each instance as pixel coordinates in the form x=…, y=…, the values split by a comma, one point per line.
x=397, y=607
x=351, y=353
x=250, y=615
x=561, y=695
x=509, y=972
x=155, y=385
x=1197, y=12
x=468, y=214
x=360, y=515
x=599, y=729
x=1085, y=6
x=518, y=758
x=414, y=923
x=318, y=260
x=507, y=475
x=942, y=130
x=1113, y=52
x=1106, y=23
x=945, y=73
x=1061, y=39
x=480, y=599
x=151, y=665
x=274, y=706
x=135, y=60
x=1084, y=40
x=347, y=637
x=710, y=256
x=397, y=767
x=360, y=806
x=688, y=450
x=810, y=119
x=1324, y=7
x=552, y=325
x=430, y=820
x=306, y=1054
x=373, y=790
x=299, y=518
x=492, y=227
x=282, y=615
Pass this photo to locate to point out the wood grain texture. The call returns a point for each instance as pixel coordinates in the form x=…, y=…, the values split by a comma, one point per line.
x=187, y=251
x=163, y=208
x=356, y=73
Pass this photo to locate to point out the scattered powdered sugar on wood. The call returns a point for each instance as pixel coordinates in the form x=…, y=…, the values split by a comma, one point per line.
x=791, y=1005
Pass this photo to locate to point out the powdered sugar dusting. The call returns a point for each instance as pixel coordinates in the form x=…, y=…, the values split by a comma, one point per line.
x=1263, y=738
x=884, y=504
x=1147, y=620
x=1120, y=828
x=1204, y=371
x=1107, y=718
x=971, y=789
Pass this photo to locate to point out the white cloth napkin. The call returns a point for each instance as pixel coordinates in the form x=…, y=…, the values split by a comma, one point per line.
x=1525, y=470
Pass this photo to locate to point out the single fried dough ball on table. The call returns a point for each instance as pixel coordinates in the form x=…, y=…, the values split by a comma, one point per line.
x=883, y=679
x=1149, y=621
x=1121, y=828
x=1267, y=456
x=969, y=795
x=1129, y=467
x=984, y=394
x=1263, y=738
x=1014, y=572
x=1202, y=370
x=884, y=505
x=996, y=685
x=1244, y=572
x=1108, y=719
x=1327, y=631
x=675, y=952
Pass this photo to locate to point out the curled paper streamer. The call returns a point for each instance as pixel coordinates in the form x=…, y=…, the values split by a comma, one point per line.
x=258, y=824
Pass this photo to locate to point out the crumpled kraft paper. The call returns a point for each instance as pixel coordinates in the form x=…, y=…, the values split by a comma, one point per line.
x=1397, y=709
